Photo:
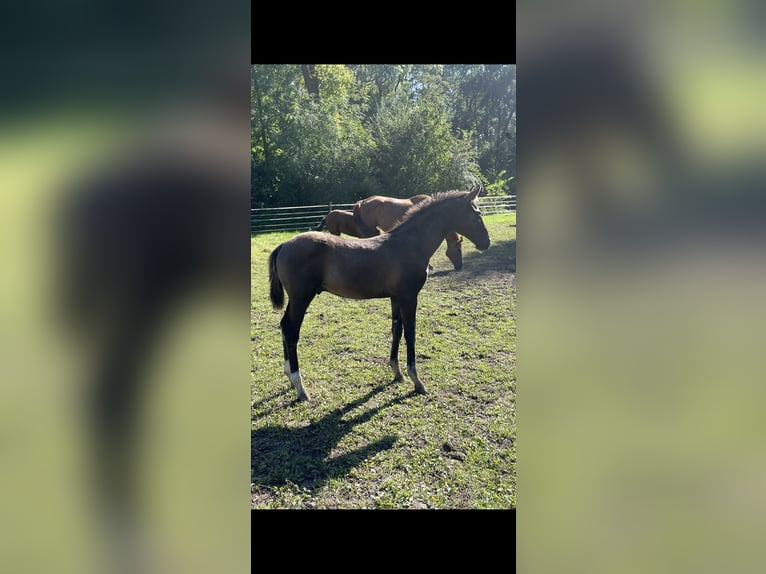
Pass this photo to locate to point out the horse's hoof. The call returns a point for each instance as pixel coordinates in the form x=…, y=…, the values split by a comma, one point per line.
x=398, y=376
x=303, y=397
x=421, y=389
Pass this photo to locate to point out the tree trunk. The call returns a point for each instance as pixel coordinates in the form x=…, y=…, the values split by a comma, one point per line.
x=311, y=80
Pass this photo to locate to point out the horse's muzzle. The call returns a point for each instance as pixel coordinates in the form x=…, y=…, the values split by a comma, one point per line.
x=482, y=245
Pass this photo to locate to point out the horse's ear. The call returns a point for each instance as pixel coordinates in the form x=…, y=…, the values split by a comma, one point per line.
x=474, y=194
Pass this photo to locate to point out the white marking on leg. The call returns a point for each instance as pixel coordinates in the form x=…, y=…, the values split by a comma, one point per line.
x=287, y=368
x=297, y=381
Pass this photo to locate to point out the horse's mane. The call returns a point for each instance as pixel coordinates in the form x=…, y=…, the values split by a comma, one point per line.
x=421, y=210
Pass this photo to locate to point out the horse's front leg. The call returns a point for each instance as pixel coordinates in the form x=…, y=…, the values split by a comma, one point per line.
x=408, y=308
x=396, y=337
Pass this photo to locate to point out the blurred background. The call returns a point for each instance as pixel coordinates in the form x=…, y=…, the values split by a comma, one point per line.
x=641, y=135
x=640, y=158
x=124, y=338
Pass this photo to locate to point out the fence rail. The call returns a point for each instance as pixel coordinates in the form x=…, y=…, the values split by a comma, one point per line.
x=307, y=217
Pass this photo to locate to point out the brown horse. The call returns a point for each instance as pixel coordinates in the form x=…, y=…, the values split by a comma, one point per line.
x=390, y=265
x=379, y=211
x=341, y=221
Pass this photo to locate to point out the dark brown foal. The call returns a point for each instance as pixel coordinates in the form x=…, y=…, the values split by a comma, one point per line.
x=391, y=265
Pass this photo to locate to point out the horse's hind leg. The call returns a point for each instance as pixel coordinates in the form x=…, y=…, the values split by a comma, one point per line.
x=285, y=354
x=396, y=336
x=408, y=308
x=291, y=328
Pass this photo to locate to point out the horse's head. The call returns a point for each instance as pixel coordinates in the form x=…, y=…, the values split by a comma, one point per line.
x=467, y=221
x=455, y=252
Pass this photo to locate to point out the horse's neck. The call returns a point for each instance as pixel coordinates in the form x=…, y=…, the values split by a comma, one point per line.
x=424, y=238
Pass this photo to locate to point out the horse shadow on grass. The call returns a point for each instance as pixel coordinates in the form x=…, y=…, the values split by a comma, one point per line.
x=301, y=456
x=499, y=258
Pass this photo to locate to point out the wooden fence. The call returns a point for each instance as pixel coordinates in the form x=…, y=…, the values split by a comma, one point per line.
x=307, y=217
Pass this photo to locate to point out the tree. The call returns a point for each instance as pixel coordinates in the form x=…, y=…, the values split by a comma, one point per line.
x=307, y=148
x=338, y=133
x=311, y=80
x=484, y=103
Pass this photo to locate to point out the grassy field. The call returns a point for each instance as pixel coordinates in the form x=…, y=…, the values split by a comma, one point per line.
x=363, y=442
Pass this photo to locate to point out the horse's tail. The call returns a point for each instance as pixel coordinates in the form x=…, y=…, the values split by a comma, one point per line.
x=322, y=224
x=276, y=292
x=364, y=229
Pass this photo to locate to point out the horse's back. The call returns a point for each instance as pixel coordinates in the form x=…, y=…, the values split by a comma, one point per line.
x=311, y=249
x=384, y=212
x=298, y=263
x=392, y=212
x=304, y=246
x=342, y=221
x=340, y=215
x=312, y=262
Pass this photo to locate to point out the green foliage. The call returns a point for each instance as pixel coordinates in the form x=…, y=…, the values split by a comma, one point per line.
x=484, y=102
x=416, y=151
x=501, y=185
x=391, y=129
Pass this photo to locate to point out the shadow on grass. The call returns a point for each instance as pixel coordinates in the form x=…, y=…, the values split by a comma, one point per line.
x=273, y=398
x=499, y=258
x=280, y=455
x=270, y=397
x=442, y=273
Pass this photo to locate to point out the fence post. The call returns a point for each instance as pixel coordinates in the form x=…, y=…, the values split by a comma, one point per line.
x=329, y=207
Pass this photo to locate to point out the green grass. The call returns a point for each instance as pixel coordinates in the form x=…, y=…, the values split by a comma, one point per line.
x=364, y=442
